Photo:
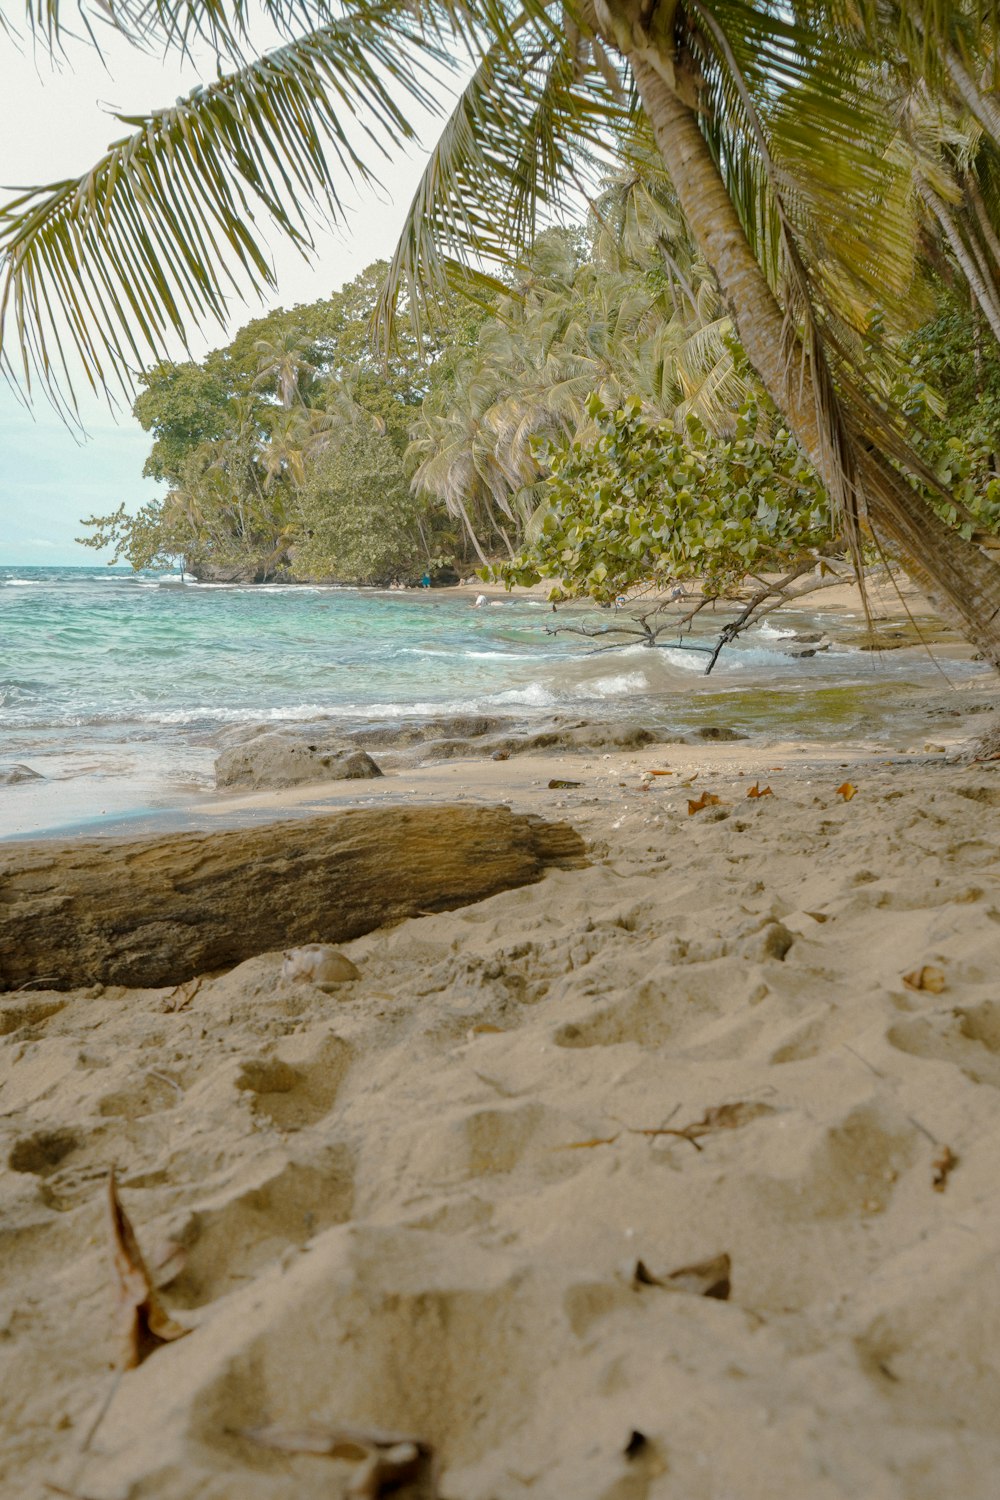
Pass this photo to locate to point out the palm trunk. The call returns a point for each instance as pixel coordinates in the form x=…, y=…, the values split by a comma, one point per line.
x=970, y=266
x=989, y=234
x=961, y=581
x=506, y=541
x=460, y=507
x=980, y=104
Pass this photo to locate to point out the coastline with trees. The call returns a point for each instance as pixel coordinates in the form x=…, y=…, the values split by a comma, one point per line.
x=483, y=1104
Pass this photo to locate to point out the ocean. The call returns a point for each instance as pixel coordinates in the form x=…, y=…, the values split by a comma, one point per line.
x=115, y=686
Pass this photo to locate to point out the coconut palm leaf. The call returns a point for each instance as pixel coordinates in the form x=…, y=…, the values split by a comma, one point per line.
x=227, y=27
x=534, y=123
x=155, y=237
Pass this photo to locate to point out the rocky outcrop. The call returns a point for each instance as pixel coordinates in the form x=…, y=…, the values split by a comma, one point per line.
x=157, y=911
x=255, y=570
x=454, y=727
x=467, y=735
x=258, y=755
x=286, y=757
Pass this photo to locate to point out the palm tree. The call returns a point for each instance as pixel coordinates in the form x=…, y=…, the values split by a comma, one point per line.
x=617, y=325
x=763, y=116
x=282, y=363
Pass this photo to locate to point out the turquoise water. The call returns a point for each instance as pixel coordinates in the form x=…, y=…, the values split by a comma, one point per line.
x=115, y=686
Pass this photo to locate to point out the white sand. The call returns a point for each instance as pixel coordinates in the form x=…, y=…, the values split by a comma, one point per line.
x=418, y=1203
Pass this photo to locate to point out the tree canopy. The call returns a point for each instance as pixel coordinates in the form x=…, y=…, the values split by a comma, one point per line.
x=820, y=157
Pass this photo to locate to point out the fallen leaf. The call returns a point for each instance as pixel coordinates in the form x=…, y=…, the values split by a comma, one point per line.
x=708, y=1278
x=846, y=790
x=386, y=1460
x=485, y=1028
x=758, y=791
x=729, y=1116
x=944, y=1164
x=818, y=916
x=707, y=799
x=182, y=994
x=929, y=978
x=560, y=786
x=659, y=773
x=145, y=1323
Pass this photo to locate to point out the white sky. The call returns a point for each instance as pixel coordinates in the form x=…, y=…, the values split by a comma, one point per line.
x=48, y=480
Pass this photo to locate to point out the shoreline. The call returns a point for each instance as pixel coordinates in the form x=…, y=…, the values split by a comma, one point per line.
x=935, y=727
x=604, y=778
x=698, y=1138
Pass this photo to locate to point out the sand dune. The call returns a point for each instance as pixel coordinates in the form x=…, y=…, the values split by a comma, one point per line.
x=419, y=1203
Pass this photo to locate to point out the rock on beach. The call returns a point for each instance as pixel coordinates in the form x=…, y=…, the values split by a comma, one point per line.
x=282, y=757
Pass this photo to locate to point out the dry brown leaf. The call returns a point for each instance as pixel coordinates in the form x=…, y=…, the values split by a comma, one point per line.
x=557, y=785
x=387, y=1460
x=182, y=994
x=818, y=916
x=708, y=1278
x=944, y=1164
x=707, y=799
x=485, y=1028
x=846, y=790
x=145, y=1323
x=659, y=773
x=758, y=791
x=929, y=978
x=729, y=1116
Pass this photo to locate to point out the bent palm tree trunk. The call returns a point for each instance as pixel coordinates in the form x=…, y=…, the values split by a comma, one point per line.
x=961, y=581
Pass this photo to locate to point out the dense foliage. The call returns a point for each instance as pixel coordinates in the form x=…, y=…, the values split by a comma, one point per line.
x=360, y=519
x=596, y=423
x=827, y=161
x=287, y=444
x=637, y=502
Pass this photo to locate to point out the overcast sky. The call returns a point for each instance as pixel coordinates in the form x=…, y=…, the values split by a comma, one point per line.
x=56, y=125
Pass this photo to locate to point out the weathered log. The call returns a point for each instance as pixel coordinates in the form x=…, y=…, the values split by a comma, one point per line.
x=156, y=911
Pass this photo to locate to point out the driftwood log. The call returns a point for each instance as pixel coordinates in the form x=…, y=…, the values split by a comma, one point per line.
x=157, y=911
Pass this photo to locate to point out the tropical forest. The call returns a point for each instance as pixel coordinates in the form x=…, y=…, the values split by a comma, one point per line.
x=682, y=291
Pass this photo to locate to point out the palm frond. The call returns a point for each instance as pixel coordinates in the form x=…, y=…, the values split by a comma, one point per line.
x=804, y=330
x=534, y=122
x=164, y=228
x=226, y=27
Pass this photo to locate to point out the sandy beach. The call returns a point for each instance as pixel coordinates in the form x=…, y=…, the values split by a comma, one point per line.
x=755, y=1044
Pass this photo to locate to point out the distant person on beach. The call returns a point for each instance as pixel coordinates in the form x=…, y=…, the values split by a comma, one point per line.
x=481, y=599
